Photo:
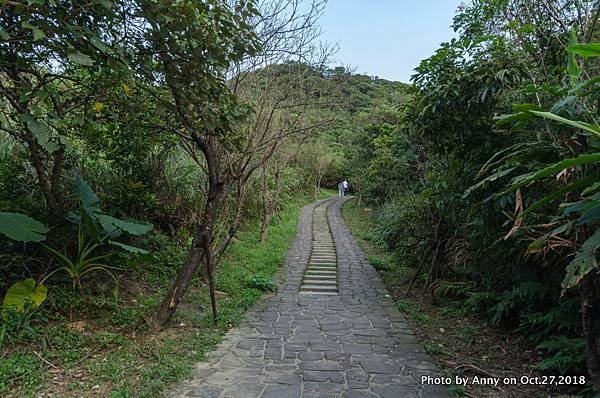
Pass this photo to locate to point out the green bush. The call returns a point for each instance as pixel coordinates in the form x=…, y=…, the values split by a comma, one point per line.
x=260, y=282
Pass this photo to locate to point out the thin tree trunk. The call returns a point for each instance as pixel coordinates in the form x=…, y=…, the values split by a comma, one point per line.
x=264, y=227
x=203, y=237
x=167, y=307
x=211, y=281
x=414, y=278
x=270, y=205
x=432, y=274
x=318, y=184
x=57, y=167
x=276, y=192
x=587, y=318
x=48, y=185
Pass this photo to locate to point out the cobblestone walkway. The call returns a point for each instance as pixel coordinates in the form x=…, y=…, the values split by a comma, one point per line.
x=353, y=344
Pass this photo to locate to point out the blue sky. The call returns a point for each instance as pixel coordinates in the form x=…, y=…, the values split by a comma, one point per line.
x=387, y=38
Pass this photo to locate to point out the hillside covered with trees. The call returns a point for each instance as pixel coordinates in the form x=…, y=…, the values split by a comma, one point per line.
x=154, y=155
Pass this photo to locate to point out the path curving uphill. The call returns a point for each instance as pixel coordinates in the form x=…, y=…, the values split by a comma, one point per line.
x=347, y=340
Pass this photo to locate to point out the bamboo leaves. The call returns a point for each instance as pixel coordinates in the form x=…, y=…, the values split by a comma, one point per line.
x=585, y=50
x=578, y=176
x=585, y=261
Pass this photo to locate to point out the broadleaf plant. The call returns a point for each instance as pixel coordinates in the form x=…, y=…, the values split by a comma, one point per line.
x=22, y=293
x=22, y=228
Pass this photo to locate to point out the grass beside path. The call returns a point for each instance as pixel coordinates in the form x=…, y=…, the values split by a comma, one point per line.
x=84, y=344
x=459, y=343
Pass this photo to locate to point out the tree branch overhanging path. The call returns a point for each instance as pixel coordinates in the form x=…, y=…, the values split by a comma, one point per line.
x=270, y=92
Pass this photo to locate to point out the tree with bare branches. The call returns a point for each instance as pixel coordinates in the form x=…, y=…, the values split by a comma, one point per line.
x=218, y=125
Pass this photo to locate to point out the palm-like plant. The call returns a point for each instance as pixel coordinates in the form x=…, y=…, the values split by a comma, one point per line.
x=83, y=262
x=94, y=230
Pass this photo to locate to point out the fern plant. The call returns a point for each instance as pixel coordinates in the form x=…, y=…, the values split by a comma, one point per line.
x=564, y=355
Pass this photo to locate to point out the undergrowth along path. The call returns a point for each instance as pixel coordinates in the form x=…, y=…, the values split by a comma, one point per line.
x=352, y=344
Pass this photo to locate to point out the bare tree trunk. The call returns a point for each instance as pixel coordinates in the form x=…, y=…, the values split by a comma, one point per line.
x=167, y=307
x=276, y=193
x=270, y=204
x=264, y=227
x=57, y=167
x=203, y=237
x=48, y=180
x=318, y=184
x=415, y=276
x=587, y=318
x=432, y=274
x=211, y=281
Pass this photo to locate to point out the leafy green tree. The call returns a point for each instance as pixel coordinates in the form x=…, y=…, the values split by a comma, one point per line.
x=49, y=52
x=576, y=184
x=184, y=50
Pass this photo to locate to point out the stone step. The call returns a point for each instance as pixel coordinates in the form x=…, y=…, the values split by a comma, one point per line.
x=323, y=258
x=318, y=288
x=321, y=269
x=321, y=282
x=332, y=263
x=320, y=276
x=309, y=293
x=331, y=273
x=323, y=278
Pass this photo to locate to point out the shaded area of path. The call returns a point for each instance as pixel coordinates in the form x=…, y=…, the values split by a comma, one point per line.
x=354, y=344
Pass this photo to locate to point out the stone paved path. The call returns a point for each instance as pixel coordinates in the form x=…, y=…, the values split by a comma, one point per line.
x=352, y=344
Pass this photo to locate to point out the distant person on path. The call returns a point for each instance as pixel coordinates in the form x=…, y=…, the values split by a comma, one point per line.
x=345, y=187
x=340, y=190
